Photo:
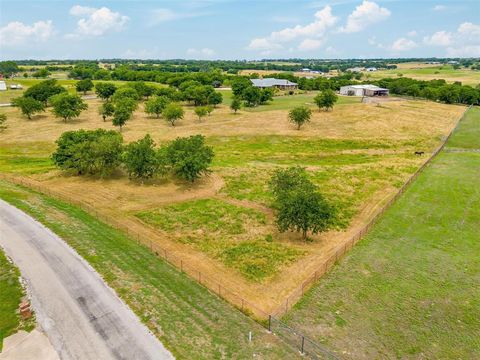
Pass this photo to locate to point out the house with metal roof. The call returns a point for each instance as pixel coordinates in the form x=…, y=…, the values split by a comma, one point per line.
x=363, y=90
x=274, y=83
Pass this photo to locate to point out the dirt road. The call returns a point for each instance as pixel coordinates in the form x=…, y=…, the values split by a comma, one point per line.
x=82, y=317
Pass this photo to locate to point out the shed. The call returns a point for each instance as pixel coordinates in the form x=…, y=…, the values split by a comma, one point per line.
x=3, y=86
x=363, y=90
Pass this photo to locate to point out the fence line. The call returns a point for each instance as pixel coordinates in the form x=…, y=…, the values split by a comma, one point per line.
x=339, y=251
x=276, y=326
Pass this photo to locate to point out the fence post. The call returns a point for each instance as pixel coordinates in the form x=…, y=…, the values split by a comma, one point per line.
x=270, y=323
x=181, y=265
x=303, y=344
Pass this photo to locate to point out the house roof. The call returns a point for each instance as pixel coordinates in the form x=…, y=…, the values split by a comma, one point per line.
x=269, y=82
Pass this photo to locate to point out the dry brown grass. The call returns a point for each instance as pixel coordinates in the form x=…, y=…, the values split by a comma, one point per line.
x=118, y=197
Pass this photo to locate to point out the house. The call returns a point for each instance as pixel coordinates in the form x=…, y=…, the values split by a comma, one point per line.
x=281, y=84
x=363, y=90
x=3, y=86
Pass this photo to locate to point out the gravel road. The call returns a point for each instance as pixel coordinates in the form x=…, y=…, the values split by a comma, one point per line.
x=82, y=317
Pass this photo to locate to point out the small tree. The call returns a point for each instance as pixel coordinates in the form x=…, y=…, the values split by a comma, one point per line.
x=3, y=120
x=140, y=158
x=236, y=104
x=125, y=92
x=300, y=115
x=28, y=106
x=189, y=157
x=123, y=113
x=172, y=113
x=44, y=90
x=325, y=99
x=105, y=90
x=299, y=205
x=156, y=105
x=209, y=109
x=84, y=85
x=106, y=110
x=215, y=98
x=201, y=111
x=67, y=106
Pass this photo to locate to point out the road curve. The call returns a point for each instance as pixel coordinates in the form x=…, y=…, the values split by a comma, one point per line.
x=81, y=315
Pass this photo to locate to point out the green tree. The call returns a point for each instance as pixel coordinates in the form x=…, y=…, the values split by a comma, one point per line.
x=143, y=90
x=125, y=93
x=141, y=159
x=300, y=115
x=28, y=106
x=106, y=110
x=325, y=99
x=236, y=104
x=189, y=157
x=209, y=109
x=88, y=151
x=123, y=113
x=156, y=105
x=201, y=111
x=299, y=205
x=84, y=85
x=105, y=90
x=8, y=68
x=41, y=73
x=44, y=90
x=252, y=96
x=215, y=98
x=172, y=113
x=67, y=106
x=239, y=85
x=3, y=121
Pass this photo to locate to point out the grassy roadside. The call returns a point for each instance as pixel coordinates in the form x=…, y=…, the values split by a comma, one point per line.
x=188, y=319
x=411, y=288
x=11, y=293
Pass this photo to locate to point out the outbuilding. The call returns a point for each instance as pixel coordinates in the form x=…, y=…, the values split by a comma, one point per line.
x=3, y=86
x=363, y=90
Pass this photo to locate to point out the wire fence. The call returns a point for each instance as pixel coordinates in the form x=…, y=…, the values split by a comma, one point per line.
x=342, y=249
x=288, y=334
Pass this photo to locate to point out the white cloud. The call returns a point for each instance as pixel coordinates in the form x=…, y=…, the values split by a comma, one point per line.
x=465, y=41
x=15, y=32
x=162, y=15
x=440, y=38
x=310, y=44
x=403, y=44
x=412, y=33
x=204, y=52
x=439, y=8
x=97, y=21
x=365, y=14
x=313, y=34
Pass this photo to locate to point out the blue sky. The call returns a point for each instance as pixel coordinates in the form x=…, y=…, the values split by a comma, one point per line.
x=238, y=29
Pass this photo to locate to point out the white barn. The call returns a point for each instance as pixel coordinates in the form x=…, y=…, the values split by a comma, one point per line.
x=3, y=86
x=363, y=90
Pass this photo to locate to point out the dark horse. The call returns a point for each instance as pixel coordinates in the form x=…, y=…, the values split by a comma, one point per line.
x=419, y=152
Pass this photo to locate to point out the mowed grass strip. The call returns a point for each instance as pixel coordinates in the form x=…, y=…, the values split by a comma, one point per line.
x=11, y=292
x=411, y=288
x=235, y=235
x=187, y=318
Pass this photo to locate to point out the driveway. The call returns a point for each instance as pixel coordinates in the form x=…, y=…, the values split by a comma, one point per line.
x=82, y=317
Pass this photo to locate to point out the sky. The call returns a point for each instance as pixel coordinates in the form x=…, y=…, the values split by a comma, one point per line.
x=238, y=29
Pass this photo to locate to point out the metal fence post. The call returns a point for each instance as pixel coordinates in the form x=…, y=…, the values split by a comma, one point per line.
x=303, y=345
x=270, y=323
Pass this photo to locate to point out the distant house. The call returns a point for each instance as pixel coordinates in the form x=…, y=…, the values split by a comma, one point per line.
x=363, y=90
x=371, y=69
x=355, y=69
x=305, y=70
x=281, y=84
x=3, y=86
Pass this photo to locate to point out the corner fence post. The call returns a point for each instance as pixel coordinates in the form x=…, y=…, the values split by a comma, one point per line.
x=270, y=323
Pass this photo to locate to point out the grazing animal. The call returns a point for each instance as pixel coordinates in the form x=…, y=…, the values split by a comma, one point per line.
x=419, y=152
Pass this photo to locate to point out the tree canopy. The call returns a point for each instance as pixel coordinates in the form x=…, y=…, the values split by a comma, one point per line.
x=300, y=115
x=325, y=99
x=84, y=85
x=156, y=104
x=44, y=90
x=105, y=90
x=141, y=158
x=172, y=113
x=67, y=106
x=28, y=106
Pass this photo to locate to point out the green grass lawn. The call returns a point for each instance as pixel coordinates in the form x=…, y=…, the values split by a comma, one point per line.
x=215, y=227
x=187, y=318
x=11, y=293
x=411, y=288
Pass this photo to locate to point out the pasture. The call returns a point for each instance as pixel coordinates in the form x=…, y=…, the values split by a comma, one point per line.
x=427, y=72
x=358, y=154
x=411, y=288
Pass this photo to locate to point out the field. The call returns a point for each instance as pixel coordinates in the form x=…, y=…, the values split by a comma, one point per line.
x=10, y=297
x=429, y=72
x=186, y=317
x=411, y=288
x=358, y=154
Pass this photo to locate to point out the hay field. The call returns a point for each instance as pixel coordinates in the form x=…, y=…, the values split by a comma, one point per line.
x=358, y=154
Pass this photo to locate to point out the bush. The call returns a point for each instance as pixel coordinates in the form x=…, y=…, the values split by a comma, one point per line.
x=88, y=151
